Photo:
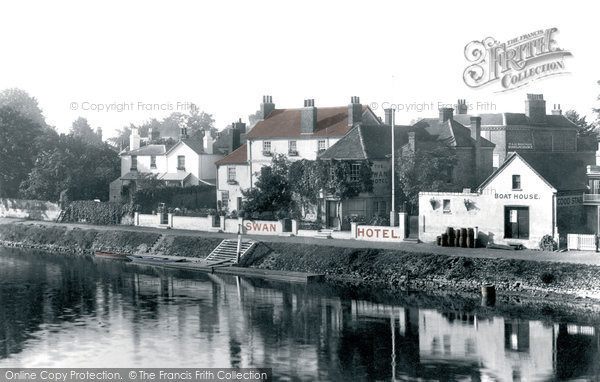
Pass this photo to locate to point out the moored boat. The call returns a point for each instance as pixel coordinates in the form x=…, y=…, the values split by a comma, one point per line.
x=154, y=259
x=110, y=255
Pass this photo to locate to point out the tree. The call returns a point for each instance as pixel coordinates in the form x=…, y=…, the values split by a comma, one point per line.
x=21, y=102
x=200, y=122
x=584, y=129
x=19, y=140
x=272, y=192
x=427, y=169
x=82, y=129
x=84, y=170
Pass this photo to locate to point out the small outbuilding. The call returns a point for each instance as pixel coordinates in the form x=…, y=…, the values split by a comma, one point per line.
x=529, y=196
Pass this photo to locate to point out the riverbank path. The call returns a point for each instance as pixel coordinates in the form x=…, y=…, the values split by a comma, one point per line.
x=578, y=257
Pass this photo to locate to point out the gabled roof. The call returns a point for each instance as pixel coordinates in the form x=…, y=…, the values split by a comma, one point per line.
x=561, y=171
x=451, y=132
x=195, y=143
x=238, y=156
x=147, y=150
x=285, y=123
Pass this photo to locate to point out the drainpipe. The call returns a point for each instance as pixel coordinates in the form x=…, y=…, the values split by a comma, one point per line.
x=554, y=231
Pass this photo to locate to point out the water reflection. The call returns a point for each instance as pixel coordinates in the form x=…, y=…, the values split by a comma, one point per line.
x=73, y=311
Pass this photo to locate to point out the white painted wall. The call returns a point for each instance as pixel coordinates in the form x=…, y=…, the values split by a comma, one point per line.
x=307, y=148
x=488, y=211
x=235, y=190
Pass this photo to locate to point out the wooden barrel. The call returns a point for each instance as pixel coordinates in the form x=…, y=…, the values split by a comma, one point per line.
x=444, y=240
x=438, y=240
x=457, y=241
x=463, y=237
x=450, y=232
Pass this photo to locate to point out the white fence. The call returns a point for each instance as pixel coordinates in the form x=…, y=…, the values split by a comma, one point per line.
x=581, y=242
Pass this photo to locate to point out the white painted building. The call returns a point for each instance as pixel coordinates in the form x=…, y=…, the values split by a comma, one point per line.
x=187, y=163
x=523, y=200
x=298, y=133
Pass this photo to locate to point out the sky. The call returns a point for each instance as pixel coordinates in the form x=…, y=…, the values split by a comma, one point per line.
x=145, y=59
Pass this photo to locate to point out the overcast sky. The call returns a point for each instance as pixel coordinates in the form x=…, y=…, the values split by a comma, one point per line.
x=224, y=55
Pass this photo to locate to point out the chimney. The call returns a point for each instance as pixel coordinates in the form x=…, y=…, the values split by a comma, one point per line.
x=354, y=111
x=461, y=107
x=183, y=134
x=266, y=107
x=134, y=139
x=388, y=116
x=535, y=108
x=476, y=135
x=445, y=114
x=411, y=141
x=308, y=121
x=208, y=143
x=556, y=110
x=238, y=128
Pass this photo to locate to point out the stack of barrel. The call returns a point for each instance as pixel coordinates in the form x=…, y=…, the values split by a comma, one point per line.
x=464, y=237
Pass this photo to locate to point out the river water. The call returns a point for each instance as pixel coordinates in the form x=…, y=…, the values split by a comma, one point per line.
x=68, y=311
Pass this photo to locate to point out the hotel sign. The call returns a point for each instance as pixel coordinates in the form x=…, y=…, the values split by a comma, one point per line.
x=516, y=62
x=378, y=233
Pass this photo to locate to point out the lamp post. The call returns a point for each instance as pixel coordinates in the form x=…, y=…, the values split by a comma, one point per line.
x=393, y=212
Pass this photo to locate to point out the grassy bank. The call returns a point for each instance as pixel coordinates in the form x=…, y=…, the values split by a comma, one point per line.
x=392, y=269
x=400, y=269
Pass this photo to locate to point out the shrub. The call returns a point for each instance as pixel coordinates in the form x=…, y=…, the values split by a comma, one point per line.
x=194, y=197
x=103, y=213
x=547, y=277
x=548, y=243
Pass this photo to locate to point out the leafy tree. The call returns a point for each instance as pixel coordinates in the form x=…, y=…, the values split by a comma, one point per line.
x=584, y=129
x=272, y=192
x=19, y=137
x=200, y=122
x=82, y=129
x=21, y=102
x=84, y=170
x=424, y=170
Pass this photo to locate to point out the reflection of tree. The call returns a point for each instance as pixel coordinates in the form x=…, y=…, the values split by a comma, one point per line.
x=42, y=290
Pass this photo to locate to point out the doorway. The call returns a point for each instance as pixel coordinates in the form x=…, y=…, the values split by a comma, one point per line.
x=331, y=210
x=516, y=222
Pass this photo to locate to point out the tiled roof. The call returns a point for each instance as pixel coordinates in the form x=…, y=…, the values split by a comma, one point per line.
x=564, y=171
x=147, y=150
x=450, y=132
x=498, y=119
x=285, y=123
x=374, y=142
x=238, y=156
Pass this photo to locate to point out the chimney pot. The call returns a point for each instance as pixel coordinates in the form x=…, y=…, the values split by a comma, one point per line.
x=354, y=111
x=446, y=113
